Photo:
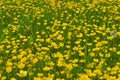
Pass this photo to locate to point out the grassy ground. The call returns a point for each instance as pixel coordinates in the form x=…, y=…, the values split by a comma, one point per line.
x=59, y=40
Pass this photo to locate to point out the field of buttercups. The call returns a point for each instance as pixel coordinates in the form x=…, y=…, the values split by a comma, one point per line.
x=59, y=39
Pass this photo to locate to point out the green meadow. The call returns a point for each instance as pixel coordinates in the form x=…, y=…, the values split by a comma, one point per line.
x=59, y=39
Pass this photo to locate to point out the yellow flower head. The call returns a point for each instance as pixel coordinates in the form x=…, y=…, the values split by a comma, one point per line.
x=8, y=69
x=22, y=73
x=84, y=77
x=21, y=66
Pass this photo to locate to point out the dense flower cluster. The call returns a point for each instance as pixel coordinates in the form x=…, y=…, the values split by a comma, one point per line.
x=59, y=40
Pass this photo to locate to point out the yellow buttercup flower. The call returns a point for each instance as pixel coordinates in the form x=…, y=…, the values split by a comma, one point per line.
x=21, y=66
x=84, y=77
x=1, y=47
x=9, y=63
x=22, y=73
x=118, y=52
x=118, y=33
x=60, y=37
x=8, y=69
x=35, y=60
x=3, y=78
x=40, y=74
x=13, y=78
x=37, y=78
x=46, y=68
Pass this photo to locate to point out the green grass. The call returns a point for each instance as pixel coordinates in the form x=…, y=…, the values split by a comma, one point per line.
x=62, y=40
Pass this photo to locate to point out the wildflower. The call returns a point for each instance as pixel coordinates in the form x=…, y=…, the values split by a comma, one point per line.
x=45, y=48
x=1, y=61
x=3, y=78
x=39, y=74
x=47, y=78
x=48, y=40
x=1, y=47
x=61, y=44
x=12, y=78
x=9, y=63
x=37, y=78
x=80, y=35
x=60, y=37
x=25, y=40
x=69, y=67
x=118, y=33
x=95, y=60
x=92, y=75
x=23, y=53
x=59, y=63
x=14, y=51
x=54, y=45
x=46, y=68
x=92, y=54
x=118, y=52
x=97, y=71
x=21, y=66
x=8, y=69
x=35, y=60
x=22, y=73
x=84, y=77
x=81, y=53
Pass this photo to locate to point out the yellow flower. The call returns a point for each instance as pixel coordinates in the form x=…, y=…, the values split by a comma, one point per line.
x=3, y=78
x=1, y=61
x=92, y=75
x=111, y=78
x=8, y=46
x=46, y=68
x=45, y=48
x=9, y=63
x=48, y=40
x=54, y=45
x=60, y=37
x=84, y=77
x=21, y=66
x=1, y=47
x=92, y=54
x=98, y=44
x=22, y=73
x=47, y=78
x=61, y=44
x=35, y=60
x=12, y=78
x=7, y=51
x=8, y=69
x=51, y=64
x=37, y=78
x=118, y=33
x=77, y=42
x=69, y=67
x=82, y=60
x=23, y=53
x=118, y=52
x=14, y=57
x=80, y=35
x=97, y=71
x=14, y=51
x=39, y=74
x=81, y=53
x=96, y=49
x=107, y=55
x=25, y=40
x=59, y=63
x=95, y=60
